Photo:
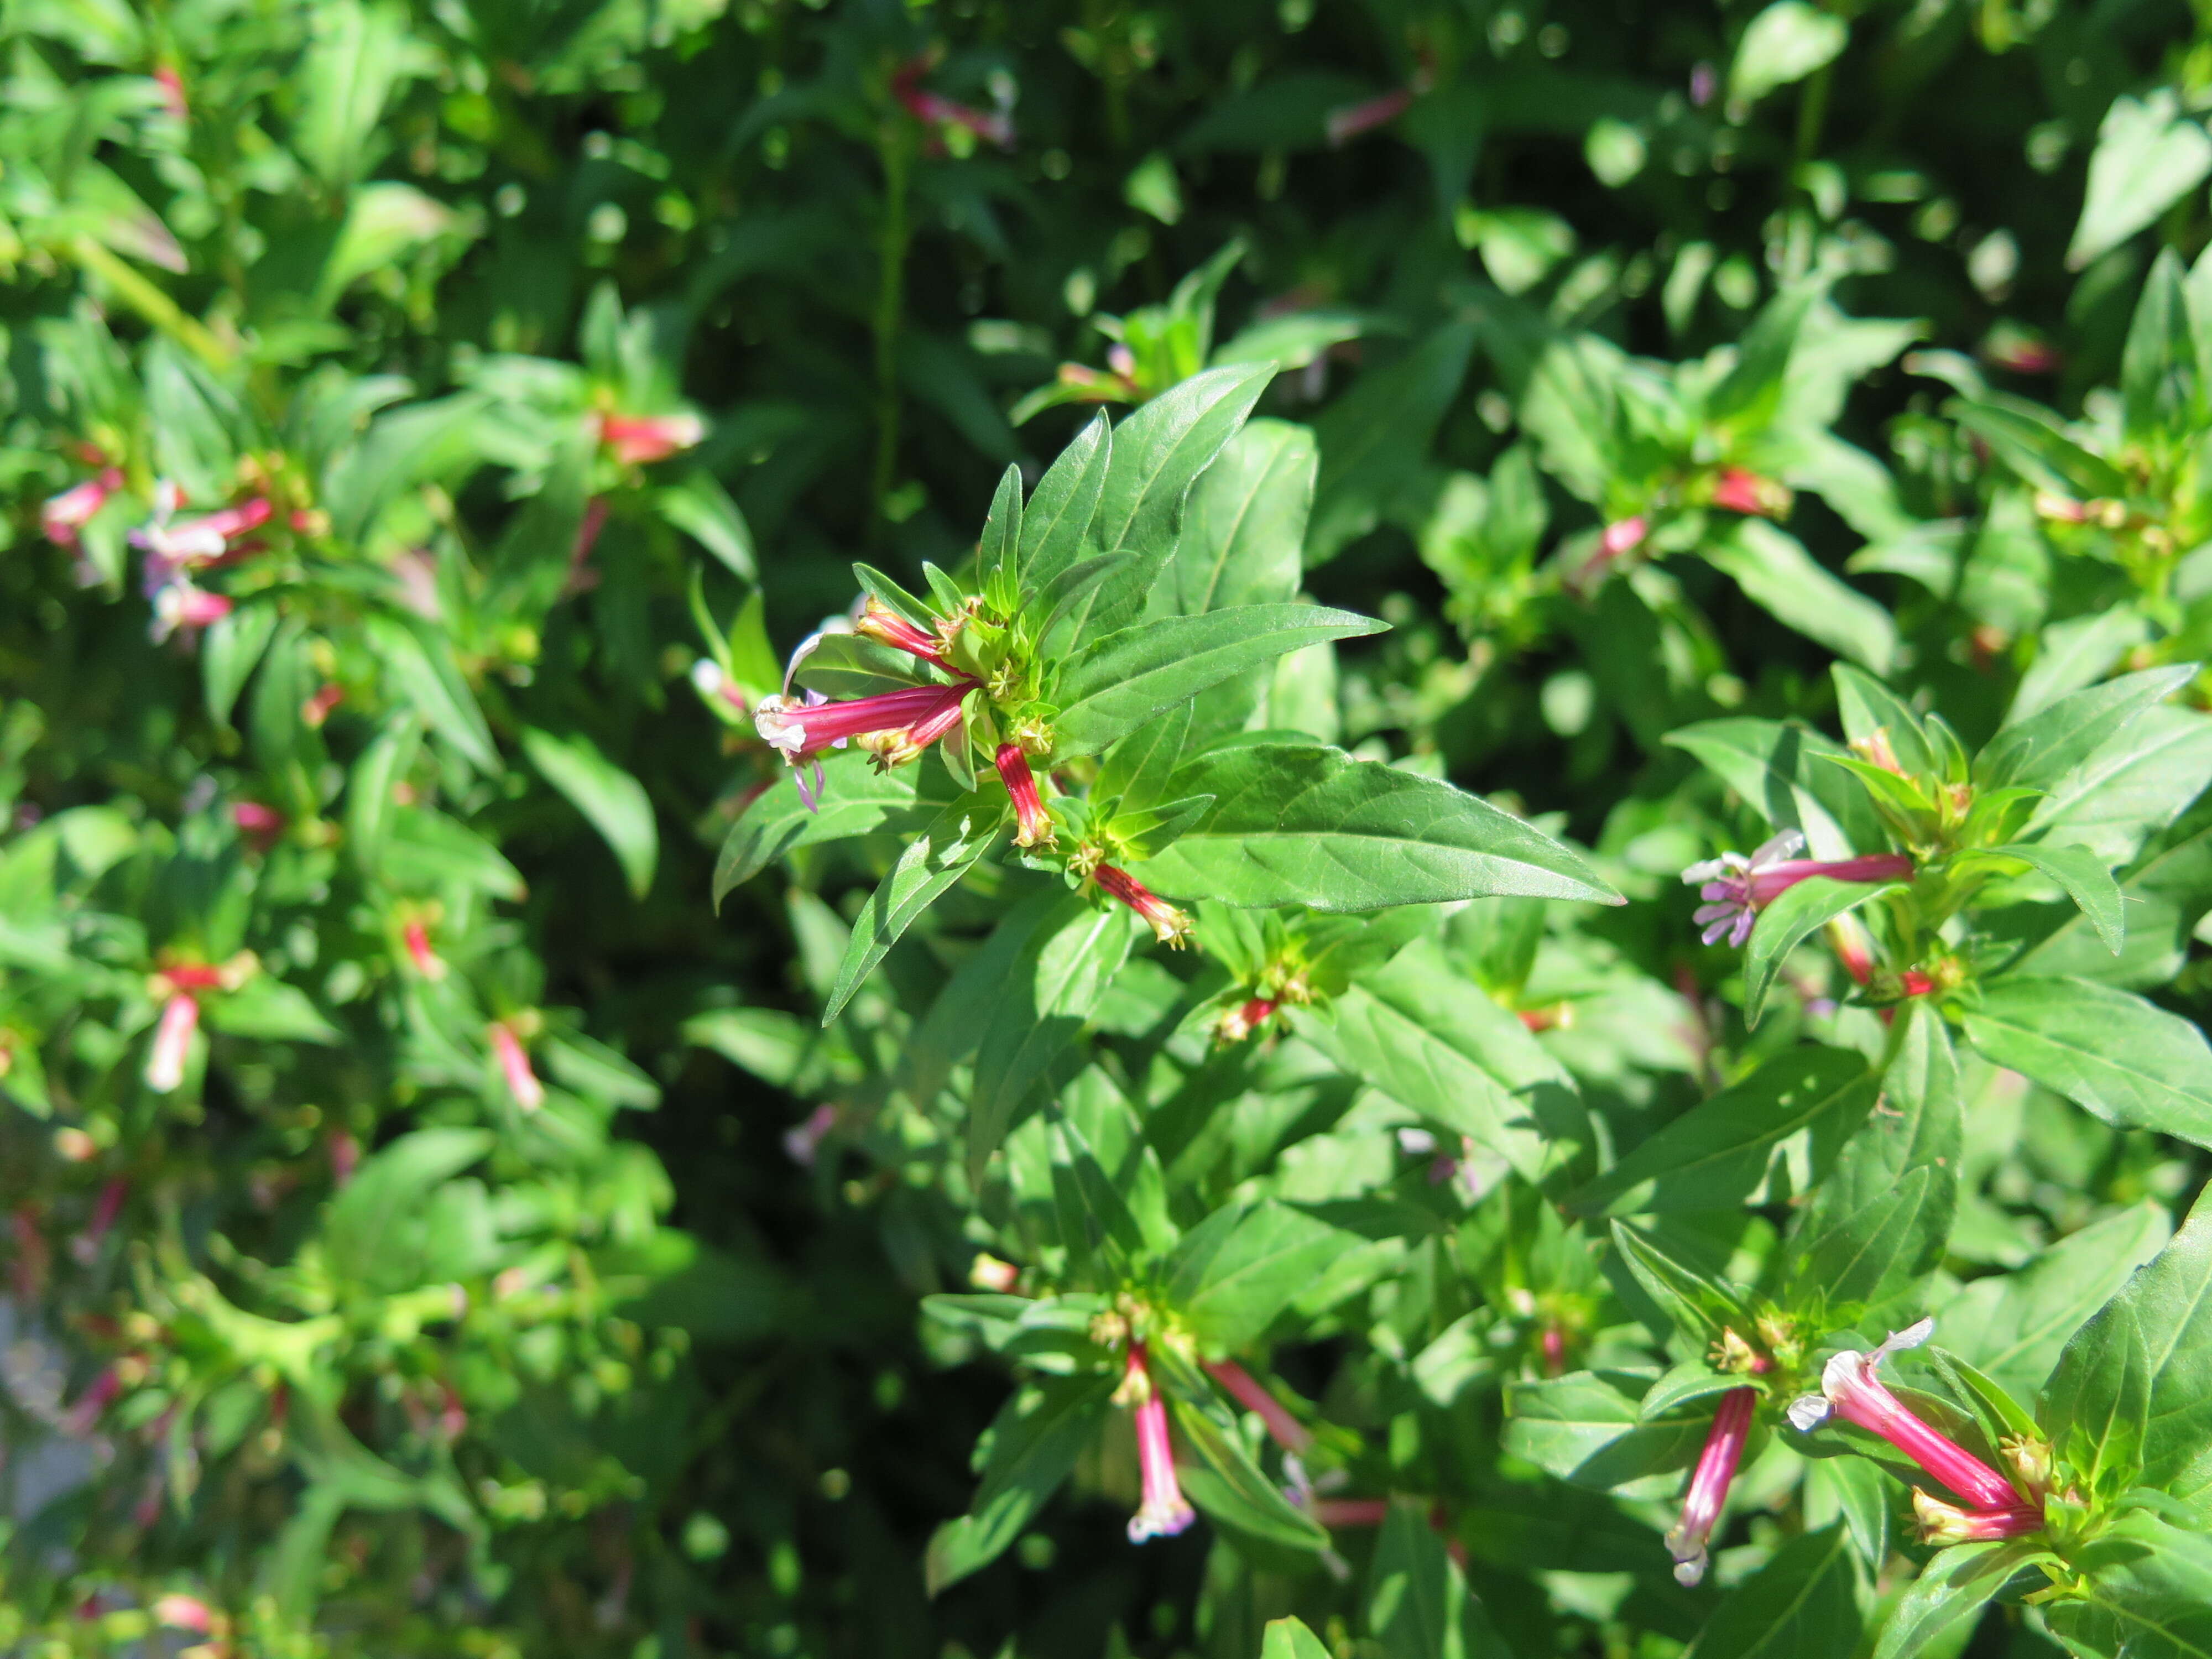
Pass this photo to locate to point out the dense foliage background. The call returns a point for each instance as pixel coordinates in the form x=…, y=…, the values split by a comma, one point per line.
x=440, y=1219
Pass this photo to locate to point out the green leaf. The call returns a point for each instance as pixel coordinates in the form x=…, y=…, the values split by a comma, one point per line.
x=2136, y=784
x=1769, y=1138
x=2132, y=1064
x=2032, y=441
x=425, y=673
x=2148, y=155
x=370, y=791
x=1747, y=398
x=999, y=555
x=1417, y=1605
x=698, y=506
x=1419, y=1032
x=1034, y=1441
x=1803, y=1604
x=1783, y=772
x=1784, y=43
x=1126, y=678
x=1584, y=1428
x=1232, y=1274
x=1244, y=526
x=1289, y=1638
x=1297, y=824
x=2158, y=384
x=2144, y=1590
x=2084, y=877
x=1802, y=910
x=932, y=864
x=2044, y=747
x=2012, y=1326
x=359, y=1229
x=230, y=650
x=2077, y=652
x=1230, y=1489
x=1780, y=576
x=615, y=802
x=1696, y=1303
x=1138, y=771
x=1056, y=983
x=1881, y=1218
x=2139, y=1373
x=1868, y=708
x=1056, y=524
x=1376, y=439
x=271, y=1011
x=853, y=801
x=955, y=1024
x=1158, y=453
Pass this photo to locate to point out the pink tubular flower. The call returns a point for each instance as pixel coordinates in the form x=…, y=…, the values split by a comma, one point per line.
x=803, y=1143
x=85, y=1247
x=996, y=127
x=639, y=439
x=79, y=1420
x=173, y=1042
x=258, y=824
x=802, y=730
x=879, y=622
x=183, y=1613
x=1623, y=536
x=987, y=1273
x=1334, y=1512
x=1850, y=941
x=1709, y=1485
x=1247, y=1390
x=1170, y=925
x=1163, y=1513
x=1036, y=824
x=1916, y=983
x=1944, y=1523
x=316, y=710
x=1736, y=889
x=719, y=690
x=1239, y=1023
x=182, y=608
x=514, y=1065
x=1350, y=120
x=426, y=962
x=1850, y=1389
x=1739, y=490
x=64, y=514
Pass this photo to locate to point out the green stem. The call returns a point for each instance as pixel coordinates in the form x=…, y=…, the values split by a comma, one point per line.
x=891, y=305
x=151, y=303
x=1813, y=113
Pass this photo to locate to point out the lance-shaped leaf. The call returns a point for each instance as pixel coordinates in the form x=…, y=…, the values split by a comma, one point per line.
x=2084, y=877
x=2144, y=1590
x=1128, y=677
x=1697, y=1304
x=1289, y=1638
x=1158, y=453
x=1235, y=1272
x=1771, y=1137
x=1419, y=1032
x=1782, y=772
x=854, y=800
x=1780, y=576
x=1585, y=1428
x=2041, y=749
x=2130, y=1063
x=1882, y=1217
x=1418, y=1603
x=2029, y=439
x=932, y=864
x=999, y=554
x=1802, y=910
x=1229, y=1487
x=1056, y=524
x=425, y=674
x=1242, y=527
x=1035, y=1442
x=2014, y=1326
x=1054, y=985
x=1294, y=823
x=2134, y=1386
x=615, y=802
x=1803, y=1604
